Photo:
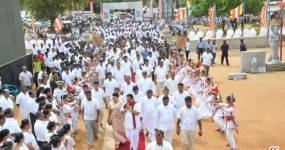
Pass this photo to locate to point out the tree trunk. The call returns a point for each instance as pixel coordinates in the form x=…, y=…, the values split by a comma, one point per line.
x=51, y=28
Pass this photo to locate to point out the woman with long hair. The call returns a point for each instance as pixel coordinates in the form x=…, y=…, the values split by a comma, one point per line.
x=46, y=116
x=63, y=141
x=68, y=136
x=42, y=105
x=51, y=130
x=117, y=120
x=40, y=92
x=4, y=136
x=53, y=116
x=67, y=109
x=19, y=140
x=30, y=140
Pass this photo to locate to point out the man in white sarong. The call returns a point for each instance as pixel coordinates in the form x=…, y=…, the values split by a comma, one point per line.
x=165, y=115
x=132, y=124
x=149, y=106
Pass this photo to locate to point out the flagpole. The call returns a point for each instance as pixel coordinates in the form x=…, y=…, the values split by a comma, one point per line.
x=281, y=26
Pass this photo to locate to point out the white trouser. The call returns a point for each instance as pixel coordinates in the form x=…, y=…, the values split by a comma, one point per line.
x=159, y=87
x=220, y=122
x=75, y=122
x=133, y=137
x=187, y=139
x=168, y=134
x=229, y=133
x=101, y=81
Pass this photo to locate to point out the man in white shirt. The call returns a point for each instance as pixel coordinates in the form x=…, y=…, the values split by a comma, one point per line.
x=207, y=61
x=119, y=74
x=77, y=72
x=127, y=88
x=149, y=106
x=109, y=85
x=187, y=119
x=127, y=65
x=67, y=77
x=91, y=111
x=165, y=115
x=22, y=102
x=40, y=129
x=101, y=73
x=179, y=96
x=148, y=68
x=166, y=93
x=159, y=143
x=41, y=74
x=26, y=78
x=187, y=48
x=99, y=95
x=138, y=95
x=152, y=60
x=145, y=83
x=33, y=108
x=47, y=62
x=11, y=123
x=171, y=83
x=166, y=62
x=132, y=124
x=5, y=101
x=160, y=76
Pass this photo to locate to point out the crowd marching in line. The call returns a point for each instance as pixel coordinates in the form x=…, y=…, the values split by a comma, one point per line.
x=136, y=75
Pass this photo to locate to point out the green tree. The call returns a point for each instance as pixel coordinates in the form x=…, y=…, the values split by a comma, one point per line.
x=48, y=9
x=201, y=7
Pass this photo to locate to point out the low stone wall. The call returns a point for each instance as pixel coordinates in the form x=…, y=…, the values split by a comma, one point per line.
x=251, y=42
x=275, y=67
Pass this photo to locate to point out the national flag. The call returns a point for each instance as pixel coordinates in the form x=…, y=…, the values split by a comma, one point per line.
x=188, y=3
x=150, y=9
x=281, y=3
x=57, y=24
x=159, y=9
x=212, y=14
x=180, y=14
x=238, y=11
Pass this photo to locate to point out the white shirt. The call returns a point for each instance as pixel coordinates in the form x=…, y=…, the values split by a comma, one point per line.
x=207, y=58
x=119, y=75
x=153, y=146
x=187, y=46
x=145, y=84
x=152, y=60
x=90, y=108
x=81, y=95
x=22, y=100
x=160, y=73
x=165, y=117
x=67, y=78
x=26, y=78
x=171, y=85
x=98, y=95
x=127, y=89
x=6, y=103
x=12, y=125
x=128, y=124
x=189, y=118
x=30, y=138
x=110, y=86
x=166, y=63
x=127, y=66
x=47, y=61
x=149, y=69
x=180, y=98
x=138, y=97
x=70, y=143
x=101, y=71
x=77, y=73
x=40, y=130
x=33, y=106
x=149, y=106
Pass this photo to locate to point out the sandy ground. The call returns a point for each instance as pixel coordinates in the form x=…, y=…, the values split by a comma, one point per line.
x=260, y=111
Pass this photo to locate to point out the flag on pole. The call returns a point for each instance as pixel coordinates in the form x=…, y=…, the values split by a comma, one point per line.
x=281, y=3
x=159, y=9
x=34, y=28
x=238, y=11
x=57, y=24
x=101, y=14
x=212, y=14
x=264, y=14
x=91, y=9
x=150, y=9
x=181, y=14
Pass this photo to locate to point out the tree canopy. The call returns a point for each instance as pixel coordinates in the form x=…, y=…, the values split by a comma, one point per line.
x=201, y=7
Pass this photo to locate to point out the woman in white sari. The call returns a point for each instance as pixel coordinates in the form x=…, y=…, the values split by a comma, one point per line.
x=206, y=109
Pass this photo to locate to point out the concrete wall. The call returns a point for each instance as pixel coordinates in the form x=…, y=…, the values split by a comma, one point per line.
x=12, y=44
x=251, y=42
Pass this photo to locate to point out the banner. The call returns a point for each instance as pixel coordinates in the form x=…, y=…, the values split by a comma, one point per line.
x=234, y=13
x=212, y=16
x=138, y=15
x=106, y=15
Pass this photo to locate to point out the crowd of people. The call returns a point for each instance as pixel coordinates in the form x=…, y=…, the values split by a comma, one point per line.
x=136, y=76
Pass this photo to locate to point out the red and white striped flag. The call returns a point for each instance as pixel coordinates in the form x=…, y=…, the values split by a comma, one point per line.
x=57, y=24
